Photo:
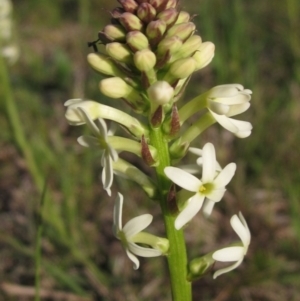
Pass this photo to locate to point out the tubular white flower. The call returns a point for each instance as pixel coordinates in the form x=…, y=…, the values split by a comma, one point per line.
x=131, y=233
x=236, y=253
x=228, y=100
x=210, y=188
x=99, y=140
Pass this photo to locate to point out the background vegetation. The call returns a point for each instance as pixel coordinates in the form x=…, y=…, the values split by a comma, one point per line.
x=73, y=251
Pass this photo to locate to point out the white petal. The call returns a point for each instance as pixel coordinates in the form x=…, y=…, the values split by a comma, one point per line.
x=218, y=108
x=196, y=151
x=137, y=224
x=208, y=207
x=242, y=125
x=241, y=230
x=209, y=163
x=90, y=123
x=142, y=251
x=107, y=173
x=88, y=141
x=225, y=175
x=216, y=194
x=243, y=134
x=191, y=168
x=234, y=99
x=133, y=258
x=229, y=254
x=225, y=122
x=113, y=153
x=118, y=214
x=72, y=101
x=238, y=109
x=183, y=178
x=191, y=209
x=228, y=269
x=103, y=128
x=225, y=90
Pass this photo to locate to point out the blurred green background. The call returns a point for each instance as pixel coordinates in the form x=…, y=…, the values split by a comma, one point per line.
x=257, y=45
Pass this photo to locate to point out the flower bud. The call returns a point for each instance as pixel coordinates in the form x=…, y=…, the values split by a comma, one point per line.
x=183, y=30
x=117, y=12
x=188, y=48
x=155, y=30
x=149, y=158
x=137, y=41
x=171, y=44
x=103, y=64
x=183, y=17
x=129, y=5
x=130, y=22
x=114, y=32
x=200, y=266
x=146, y=12
x=144, y=60
x=115, y=87
x=204, y=55
x=169, y=16
x=119, y=52
x=160, y=92
x=180, y=69
x=171, y=4
x=159, y=5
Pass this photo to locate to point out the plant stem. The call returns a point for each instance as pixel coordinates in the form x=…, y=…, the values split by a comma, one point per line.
x=177, y=257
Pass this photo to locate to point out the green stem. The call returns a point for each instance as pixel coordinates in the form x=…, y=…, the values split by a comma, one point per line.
x=177, y=257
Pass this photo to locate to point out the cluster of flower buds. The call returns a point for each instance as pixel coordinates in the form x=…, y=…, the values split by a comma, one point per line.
x=151, y=51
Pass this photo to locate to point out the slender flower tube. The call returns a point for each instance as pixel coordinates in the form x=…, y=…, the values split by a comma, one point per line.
x=210, y=187
x=96, y=110
x=131, y=234
x=235, y=253
x=100, y=139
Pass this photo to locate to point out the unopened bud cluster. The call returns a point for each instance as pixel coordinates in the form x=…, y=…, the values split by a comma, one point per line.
x=149, y=44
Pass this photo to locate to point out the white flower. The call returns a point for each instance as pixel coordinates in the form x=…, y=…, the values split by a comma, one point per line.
x=131, y=234
x=228, y=100
x=235, y=253
x=99, y=140
x=210, y=186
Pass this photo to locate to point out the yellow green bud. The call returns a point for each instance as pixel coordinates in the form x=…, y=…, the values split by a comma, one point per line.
x=114, y=32
x=115, y=87
x=169, y=16
x=171, y=4
x=119, y=52
x=103, y=64
x=130, y=22
x=171, y=44
x=188, y=48
x=137, y=41
x=183, y=17
x=204, y=55
x=144, y=60
x=146, y=12
x=180, y=69
x=183, y=30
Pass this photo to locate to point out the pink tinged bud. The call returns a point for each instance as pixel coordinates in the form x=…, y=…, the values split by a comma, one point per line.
x=183, y=30
x=189, y=47
x=146, y=12
x=130, y=22
x=171, y=125
x=159, y=5
x=115, y=87
x=103, y=64
x=160, y=93
x=129, y=5
x=117, y=12
x=171, y=4
x=183, y=17
x=155, y=31
x=169, y=16
x=204, y=55
x=141, y=1
x=119, y=52
x=137, y=41
x=144, y=60
x=114, y=32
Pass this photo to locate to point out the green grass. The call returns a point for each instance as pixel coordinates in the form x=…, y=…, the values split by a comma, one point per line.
x=257, y=45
